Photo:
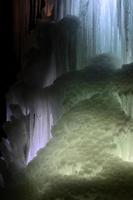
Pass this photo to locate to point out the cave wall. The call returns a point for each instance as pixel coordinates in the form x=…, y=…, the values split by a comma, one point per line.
x=25, y=14
x=17, y=20
x=24, y=20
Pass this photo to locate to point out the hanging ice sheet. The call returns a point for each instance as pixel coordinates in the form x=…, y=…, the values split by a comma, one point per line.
x=106, y=26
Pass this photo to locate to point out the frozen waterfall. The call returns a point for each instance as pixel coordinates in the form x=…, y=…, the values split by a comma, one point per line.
x=106, y=27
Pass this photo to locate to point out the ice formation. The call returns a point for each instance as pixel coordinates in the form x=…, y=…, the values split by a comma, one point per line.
x=60, y=75
x=106, y=26
x=81, y=161
x=122, y=89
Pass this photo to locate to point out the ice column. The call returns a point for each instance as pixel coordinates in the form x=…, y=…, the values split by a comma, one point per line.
x=41, y=121
x=126, y=102
x=124, y=139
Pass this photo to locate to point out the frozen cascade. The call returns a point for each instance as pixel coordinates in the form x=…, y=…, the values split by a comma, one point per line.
x=35, y=111
x=98, y=35
x=38, y=109
x=28, y=103
x=95, y=36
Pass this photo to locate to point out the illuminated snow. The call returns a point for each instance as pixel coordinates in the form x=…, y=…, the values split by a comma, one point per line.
x=84, y=138
x=85, y=148
x=91, y=146
x=87, y=154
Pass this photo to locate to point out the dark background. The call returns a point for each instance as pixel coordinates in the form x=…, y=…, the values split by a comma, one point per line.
x=8, y=64
x=17, y=20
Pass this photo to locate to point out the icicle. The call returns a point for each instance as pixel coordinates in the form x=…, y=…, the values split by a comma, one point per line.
x=41, y=121
x=126, y=103
x=124, y=146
